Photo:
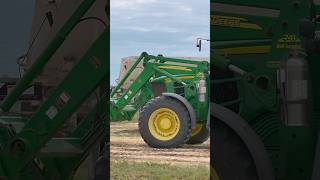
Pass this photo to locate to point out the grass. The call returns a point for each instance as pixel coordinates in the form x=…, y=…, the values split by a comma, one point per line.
x=144, y=171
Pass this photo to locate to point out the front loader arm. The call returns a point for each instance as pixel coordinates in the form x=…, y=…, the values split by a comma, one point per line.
x=54, y=112
x=32, y=151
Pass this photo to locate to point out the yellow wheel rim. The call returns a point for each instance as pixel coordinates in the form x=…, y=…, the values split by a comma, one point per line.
x=164, y=124
x=197, y=129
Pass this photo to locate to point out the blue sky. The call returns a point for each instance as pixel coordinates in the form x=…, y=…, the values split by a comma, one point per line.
x=157, y=27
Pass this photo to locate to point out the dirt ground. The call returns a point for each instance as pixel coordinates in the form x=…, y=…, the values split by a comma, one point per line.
x=126, y=144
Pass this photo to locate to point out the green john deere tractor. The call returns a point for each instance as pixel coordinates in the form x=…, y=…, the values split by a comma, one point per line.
x=173, y=98
x=265, y=104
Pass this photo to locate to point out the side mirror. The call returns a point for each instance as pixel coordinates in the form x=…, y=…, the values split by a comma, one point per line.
x=306, y=28
x=199, y=44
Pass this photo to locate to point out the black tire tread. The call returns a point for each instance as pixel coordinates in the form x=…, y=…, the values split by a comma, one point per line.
x=201, y=137
x=231, y=155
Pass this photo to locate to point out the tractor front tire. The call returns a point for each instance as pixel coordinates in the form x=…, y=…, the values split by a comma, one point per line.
x=164, y=122
x=199, y=134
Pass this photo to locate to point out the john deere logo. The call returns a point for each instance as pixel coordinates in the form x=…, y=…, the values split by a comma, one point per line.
x=235, y=22
x=289, y=38
x=289, y=41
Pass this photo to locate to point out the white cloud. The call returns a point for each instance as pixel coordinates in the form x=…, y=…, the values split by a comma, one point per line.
x=129, y=4
x=185, y=8
x=193, y=38
x=139, y=29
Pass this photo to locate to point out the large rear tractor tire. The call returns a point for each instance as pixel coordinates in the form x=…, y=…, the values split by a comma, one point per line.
x=164, y=122
x=237, y=151
x=199, y=134
x=231, y=158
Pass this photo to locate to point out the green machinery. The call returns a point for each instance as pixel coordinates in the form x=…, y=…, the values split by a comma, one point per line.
x=28, y=146
x=266, y=89
x=173, y=99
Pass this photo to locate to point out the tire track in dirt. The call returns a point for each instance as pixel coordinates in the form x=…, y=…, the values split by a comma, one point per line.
x=126, y=144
